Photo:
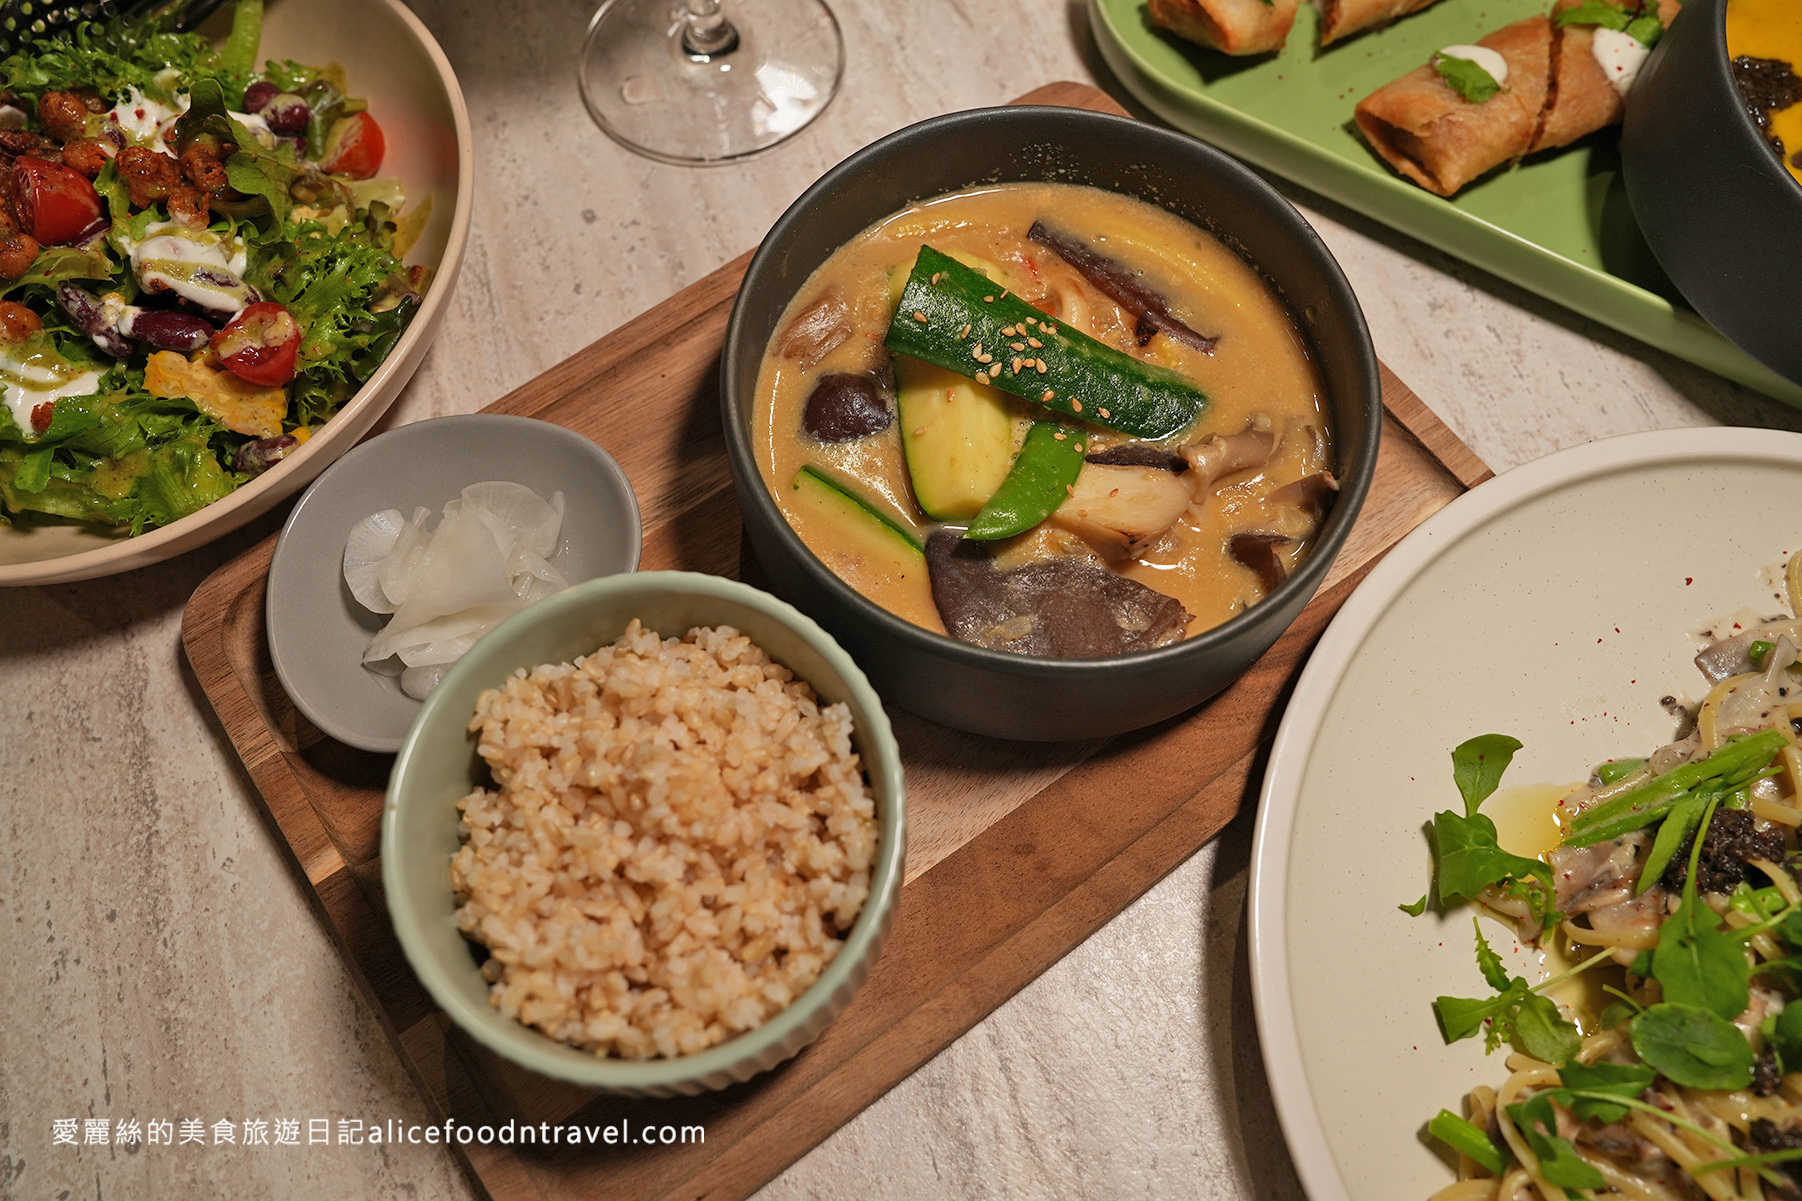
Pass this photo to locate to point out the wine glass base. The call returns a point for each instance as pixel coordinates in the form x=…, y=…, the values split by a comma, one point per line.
x=656, y=98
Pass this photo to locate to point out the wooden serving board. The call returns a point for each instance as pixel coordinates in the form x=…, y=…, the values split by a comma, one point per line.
x=1042, y=840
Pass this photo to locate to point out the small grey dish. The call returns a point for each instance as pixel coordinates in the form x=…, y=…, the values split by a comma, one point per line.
x=318, y=631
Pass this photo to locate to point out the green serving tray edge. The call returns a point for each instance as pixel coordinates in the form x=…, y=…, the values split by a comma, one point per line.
x=1165, y=80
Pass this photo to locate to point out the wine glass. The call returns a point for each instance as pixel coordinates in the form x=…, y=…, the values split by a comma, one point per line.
x=709, y=81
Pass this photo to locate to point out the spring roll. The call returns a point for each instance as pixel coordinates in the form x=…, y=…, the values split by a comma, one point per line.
x=1342, y=18
x=1582, y=98
x=1424, y=129
x=1232, y=26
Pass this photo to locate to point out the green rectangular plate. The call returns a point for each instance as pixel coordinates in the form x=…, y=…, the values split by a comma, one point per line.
x=1557, y=223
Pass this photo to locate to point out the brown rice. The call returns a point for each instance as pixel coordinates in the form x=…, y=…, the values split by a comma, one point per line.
x=678, y=840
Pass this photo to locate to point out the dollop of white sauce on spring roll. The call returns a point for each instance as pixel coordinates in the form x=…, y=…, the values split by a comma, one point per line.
x=1620, y=55
x=1484, y=57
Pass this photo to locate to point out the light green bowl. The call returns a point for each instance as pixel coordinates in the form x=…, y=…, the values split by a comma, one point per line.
x=438, y=766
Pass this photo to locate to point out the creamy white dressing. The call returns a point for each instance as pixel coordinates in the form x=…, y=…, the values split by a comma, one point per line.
x=258, y=127
x=144, y=121
x=1491, y=61
x=1620, y=55
x=169, y=258
x=29, y=382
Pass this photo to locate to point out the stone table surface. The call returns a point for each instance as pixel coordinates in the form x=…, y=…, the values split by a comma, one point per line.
x=162, y=960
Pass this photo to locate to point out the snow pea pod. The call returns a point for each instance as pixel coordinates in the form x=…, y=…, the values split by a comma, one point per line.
x=1037, y=483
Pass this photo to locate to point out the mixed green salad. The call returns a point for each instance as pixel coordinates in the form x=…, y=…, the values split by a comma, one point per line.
x=198, y=266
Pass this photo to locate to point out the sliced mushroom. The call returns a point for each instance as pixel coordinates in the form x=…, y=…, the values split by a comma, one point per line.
x=1216, y=456
x=1123, y=286
x=1063, y=608
x=1121, y=510
x=1733, y=656
x=1258, y=552
x=817, y=330
x=1137, y=454
x=1312, y=494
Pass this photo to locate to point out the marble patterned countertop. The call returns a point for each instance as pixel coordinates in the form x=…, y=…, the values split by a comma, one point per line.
x=161, y=958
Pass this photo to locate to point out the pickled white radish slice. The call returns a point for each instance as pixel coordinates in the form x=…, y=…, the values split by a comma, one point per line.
x=531, y=572
x=431, y=642
x=406, y=561
x=466, y=569
x=518, y=515
x=418, y=682
x=488, y=557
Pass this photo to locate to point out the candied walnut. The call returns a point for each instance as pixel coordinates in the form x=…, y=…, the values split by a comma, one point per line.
x=63, y=115
x=188, y=207
x=149, y=177
x=17, y=322
x=86, y=155
x=15, y=142
x=17, y=253
x=204, y=165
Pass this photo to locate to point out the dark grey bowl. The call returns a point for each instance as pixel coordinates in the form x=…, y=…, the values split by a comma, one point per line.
x=1721, y=213
x=993, y=692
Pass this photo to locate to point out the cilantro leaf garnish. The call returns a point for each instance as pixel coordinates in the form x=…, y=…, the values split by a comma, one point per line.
x=1643, y=27
x=1467, y=78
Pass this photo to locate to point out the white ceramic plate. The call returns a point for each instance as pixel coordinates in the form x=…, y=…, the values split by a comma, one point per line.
x=392, y=61
x=1553, y=604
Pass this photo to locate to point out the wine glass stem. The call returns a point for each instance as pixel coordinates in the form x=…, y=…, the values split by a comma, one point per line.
x=708, y=33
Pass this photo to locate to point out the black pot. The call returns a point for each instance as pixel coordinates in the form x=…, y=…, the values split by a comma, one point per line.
x=994, y=692
x=1719, y=210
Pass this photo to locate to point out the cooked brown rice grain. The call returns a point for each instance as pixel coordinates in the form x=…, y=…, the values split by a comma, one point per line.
x=678, y=839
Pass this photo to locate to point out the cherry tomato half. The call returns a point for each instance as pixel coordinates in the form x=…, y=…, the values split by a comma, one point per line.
x=260, y=344
x=55, y=203
x=355, y=147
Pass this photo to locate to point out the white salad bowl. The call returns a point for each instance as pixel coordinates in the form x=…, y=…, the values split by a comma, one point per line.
x=393, y=62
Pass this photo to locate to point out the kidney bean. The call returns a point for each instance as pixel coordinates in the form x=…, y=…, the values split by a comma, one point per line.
x=258, y=94
x=90, y=317
x=259, y=456
x=287, y=115
x=167, y=329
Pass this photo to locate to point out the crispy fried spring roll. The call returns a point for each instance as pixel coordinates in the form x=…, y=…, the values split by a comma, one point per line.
x=1233, y=26
x=1582, y=99
x=1441, y=141
x=1342, y=18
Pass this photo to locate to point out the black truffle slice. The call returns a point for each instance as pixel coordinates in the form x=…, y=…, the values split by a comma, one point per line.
x=1060, y=608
